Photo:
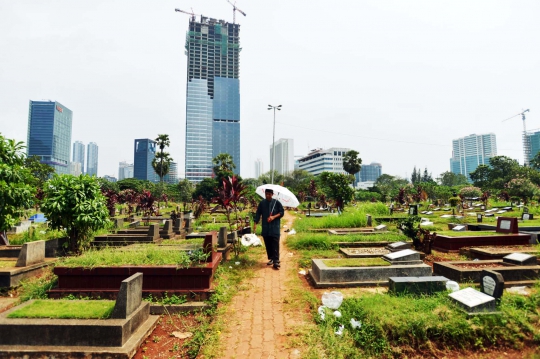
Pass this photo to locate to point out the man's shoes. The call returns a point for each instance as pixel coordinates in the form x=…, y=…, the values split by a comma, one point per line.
x=276, y=266
x=270, y=262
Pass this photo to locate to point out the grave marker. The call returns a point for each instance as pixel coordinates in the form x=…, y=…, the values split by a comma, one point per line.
x=417, y=285
x=129, y=297
x=406, y=256
x=526, y=216
x=398, y=246
x=460, y=228
x=31, y=253
x=380, y=228
x=521, y=259
x=413, y=210
x=507, y=225
x=209, y=245
x=473, y=301
x=222, y=237
x=492, y=283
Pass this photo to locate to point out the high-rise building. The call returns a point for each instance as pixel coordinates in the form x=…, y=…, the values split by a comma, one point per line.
x=259, y=168
x=532, y=138
x=92, y=159
x=125, y=170
x=284, y=148
x=369, y=173
x=471, y=151
x=212, y=96
x=143, y=154
x=172, y=176
x=110, y=178
x=75, y=168
x=49, y=134
x=78, y=154
x=319, y=161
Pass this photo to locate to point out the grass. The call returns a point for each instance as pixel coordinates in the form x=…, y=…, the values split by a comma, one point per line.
x=66, y=309
x=149, y=255
x=356, y=262
x=470, y=233
x=7, y=264
x=352, y=217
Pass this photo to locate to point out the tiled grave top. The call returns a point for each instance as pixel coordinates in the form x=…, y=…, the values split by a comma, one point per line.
x=471, y=297
x=406, y=254
x=459, y=228
x=397, y=244
x=380, y=227
x=523, y=259
x=429, y=212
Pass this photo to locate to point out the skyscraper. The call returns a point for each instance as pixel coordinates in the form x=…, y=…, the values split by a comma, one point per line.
x=259, y=168
x=92, y=159
x=143, y=154
x=49, y=134
x=78, y=154
x=125, y=170
x=172, y=176
x=533, y=141
x=369, y=173
x=213, y=95
x=284, y=148
x=471, y=151
x=319, y=161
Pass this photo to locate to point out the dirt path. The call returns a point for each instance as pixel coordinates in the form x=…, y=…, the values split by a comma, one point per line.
x=258, y=321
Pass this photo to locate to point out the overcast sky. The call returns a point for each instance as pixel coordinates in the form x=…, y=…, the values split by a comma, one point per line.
x=395, y=80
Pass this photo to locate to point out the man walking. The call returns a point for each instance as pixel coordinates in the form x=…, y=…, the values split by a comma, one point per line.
x=271, y=211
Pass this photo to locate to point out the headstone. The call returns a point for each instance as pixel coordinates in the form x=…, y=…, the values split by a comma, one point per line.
x=153, y=231
x=168, y=226
x=501, y=211
x=489, y=215
x=424, y=220
x=209, y=245
x=398, y=246
x=436, y=209
x=473, y=301
x=507, y=225
x=429, y=212
x=479, y=218
x=380, y=228
x=369, y=220
x=460, y=228
x=521, y=259
x=507, y=208
x=423, y=212
x=134, y=224
x=222, y=237
x=527, y=216
x=426, y=223
x=119, y=223
x=129, y=297
x=31, y=253
x=482, y=207
x=492, y=283
x=413, y=210
x=406, y=256
x=417, y=285
x=177, y=225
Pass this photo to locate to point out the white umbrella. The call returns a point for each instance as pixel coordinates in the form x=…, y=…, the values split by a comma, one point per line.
x=282, y=194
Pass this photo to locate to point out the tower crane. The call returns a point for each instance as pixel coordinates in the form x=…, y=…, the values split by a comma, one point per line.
x=235, y=9
x=526, y=142
x=189, y=13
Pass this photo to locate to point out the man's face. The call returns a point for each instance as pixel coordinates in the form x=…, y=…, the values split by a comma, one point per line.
x=268, y=195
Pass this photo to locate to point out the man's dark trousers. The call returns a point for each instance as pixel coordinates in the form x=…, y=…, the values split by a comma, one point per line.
x=272, y=248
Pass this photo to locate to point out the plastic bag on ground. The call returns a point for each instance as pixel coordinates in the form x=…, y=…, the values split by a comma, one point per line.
x=453, y=286
x=355, y=323
x=518, y=290
x=321, y=312
x=250, y=239
x=302, y=272
x=291, y=232
x=332, y=300
x=340, y=330
x=337, y=314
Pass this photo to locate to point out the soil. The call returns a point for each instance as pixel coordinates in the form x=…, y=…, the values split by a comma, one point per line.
x=435, y=256
x=162, y=343
x=473, y=265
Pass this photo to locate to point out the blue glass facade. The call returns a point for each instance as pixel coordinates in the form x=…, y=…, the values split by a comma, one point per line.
x=49, y=134
x=533, y=138
x=369, y=173
x=143, y=154
x=78, y=154
x=471, y=151
x=213, y=96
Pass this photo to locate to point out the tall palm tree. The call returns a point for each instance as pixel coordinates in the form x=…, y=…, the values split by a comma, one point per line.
x=223, y=163
x=351, y=162
x=162, y=141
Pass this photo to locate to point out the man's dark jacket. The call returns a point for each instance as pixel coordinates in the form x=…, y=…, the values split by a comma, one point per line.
x=269, y=229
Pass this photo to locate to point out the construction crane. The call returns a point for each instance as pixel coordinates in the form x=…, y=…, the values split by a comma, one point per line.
x=526, y=142
x=235, y=9
x=189, y=13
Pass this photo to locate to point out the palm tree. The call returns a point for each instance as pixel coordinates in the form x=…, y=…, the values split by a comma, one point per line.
x=351, y=162
x=223, y=163
x=162, y=169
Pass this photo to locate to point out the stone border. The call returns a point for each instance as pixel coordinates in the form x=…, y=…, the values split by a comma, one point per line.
x=512, y=274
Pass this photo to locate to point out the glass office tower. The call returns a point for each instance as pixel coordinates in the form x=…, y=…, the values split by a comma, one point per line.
x=471, y=151
x=144, y=153
x=49, y=134
x=92, y=159
x=78, y=154
x=213, y=95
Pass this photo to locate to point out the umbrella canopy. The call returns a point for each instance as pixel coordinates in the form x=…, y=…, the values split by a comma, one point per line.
x=282, y=194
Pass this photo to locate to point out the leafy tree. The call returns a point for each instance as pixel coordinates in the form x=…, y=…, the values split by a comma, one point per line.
x=535, y=162
x=76, y=205
x=481, y=176
x=416, y=176
x=223, y=167
x=298, y=181
x=337, y=187
x=185, y=189
x=16, y=189
x=40, y=171
x=162, y=161
x=522, y=188
x=351, y=162
x=229, y=195
x=503, y=169
x=470, y=192
x=452, y=179
x=366, y=196
x=426, y=178
x=266, y=178
x=135, y=184
x=388, y=186
x=107, y=185
x=206, y=189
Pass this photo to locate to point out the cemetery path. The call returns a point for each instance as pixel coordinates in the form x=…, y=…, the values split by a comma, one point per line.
x=259, y=321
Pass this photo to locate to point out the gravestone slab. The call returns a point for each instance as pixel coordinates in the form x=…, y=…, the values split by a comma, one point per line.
x=129, y=297
x=473, y=301
x=492, y=283
x=31, y=253
x=417, y=285
x=153, y=231
x=210, y=244
x=501, y=211
x=507, y=225
x=459, y=228
x=507, y=208
x=429, y=212
x=168, y=226
x=521, y=259
x=222, y=237
x=423, y=212
x=380, y=228
x=369, y=220
x=413, y=210
x=177, y=225
x=489, y=215
x=119, y=223
x=527, y=216
x=436, y=209
x=426, y=223
x=406, y=256
x=398, y=246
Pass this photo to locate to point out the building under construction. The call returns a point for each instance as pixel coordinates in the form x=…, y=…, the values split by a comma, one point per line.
x=213, y=95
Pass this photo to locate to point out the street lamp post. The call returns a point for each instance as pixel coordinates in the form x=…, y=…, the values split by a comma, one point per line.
x=272, y=163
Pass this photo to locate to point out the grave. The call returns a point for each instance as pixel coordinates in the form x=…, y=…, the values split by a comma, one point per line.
x=485, y=253
x=403, y=257
x=167, y=231
x=473, y=301
x=366, y=252
x=398, y=246
x=521, y=259
x=459, y=228
x=527, y=216
x=492, y=283
x=381, y=228
x=130, y=236
x=118, y=336
x=21, y=227
x=417, y=285
x=223, y=246
x=30, y=262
